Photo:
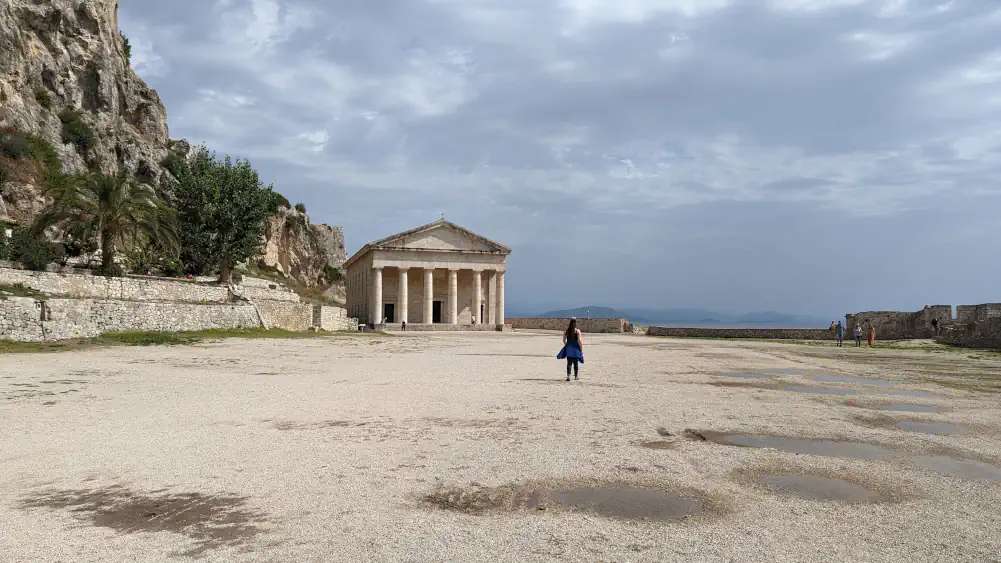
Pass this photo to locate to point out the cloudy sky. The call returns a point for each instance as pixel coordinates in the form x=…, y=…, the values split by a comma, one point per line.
x=809, y=156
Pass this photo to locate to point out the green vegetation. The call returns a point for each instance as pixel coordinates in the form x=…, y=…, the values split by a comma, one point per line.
x=300, y=207
x=18, y=290
x=43, y=97
x=115, y=210
x=76, y=130
x=34, y=252
x=127, y=47
x=279, y=201
x=166, y=339
x=223, y=209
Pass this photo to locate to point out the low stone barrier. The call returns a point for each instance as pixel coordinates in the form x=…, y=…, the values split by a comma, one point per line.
x=440, y=327
x=333, y=319
x=27, y=320
x=135, y=288
x=747, y=333
x=585, y=325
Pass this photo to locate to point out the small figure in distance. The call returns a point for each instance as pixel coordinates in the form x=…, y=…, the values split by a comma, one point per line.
x=870, y=334
x=857, y=332
x=573, y=348
x=839, y=332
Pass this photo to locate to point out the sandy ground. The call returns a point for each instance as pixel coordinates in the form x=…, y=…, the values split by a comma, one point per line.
x=469, y=447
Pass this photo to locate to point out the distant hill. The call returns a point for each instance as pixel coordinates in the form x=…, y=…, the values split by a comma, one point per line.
x=681, y=316
x=595, y=312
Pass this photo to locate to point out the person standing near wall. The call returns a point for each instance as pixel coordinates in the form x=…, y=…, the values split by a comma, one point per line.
x=839, y=333
x=870, y=334
x=857, y=333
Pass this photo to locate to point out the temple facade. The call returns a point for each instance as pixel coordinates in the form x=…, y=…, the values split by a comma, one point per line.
x=439, y=273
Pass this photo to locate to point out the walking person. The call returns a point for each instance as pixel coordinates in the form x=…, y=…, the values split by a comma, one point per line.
x=839, y=333
x=870, y=335
x=857, y=332
x=573, y=348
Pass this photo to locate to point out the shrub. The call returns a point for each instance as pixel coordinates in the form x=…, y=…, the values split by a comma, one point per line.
x=14, y=145
x=127, y=47
x=172, y=268
x=279, y=201
x=76, y=130
x=43, y=97
x=4, y=243
x=300, y=207
x=34, y=252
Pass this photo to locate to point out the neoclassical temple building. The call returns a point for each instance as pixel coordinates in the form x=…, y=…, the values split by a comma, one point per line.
x=439, y=273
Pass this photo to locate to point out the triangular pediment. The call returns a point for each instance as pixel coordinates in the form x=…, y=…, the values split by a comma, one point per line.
x=441, y=235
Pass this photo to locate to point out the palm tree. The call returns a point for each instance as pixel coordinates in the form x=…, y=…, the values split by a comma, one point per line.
x=114, y=209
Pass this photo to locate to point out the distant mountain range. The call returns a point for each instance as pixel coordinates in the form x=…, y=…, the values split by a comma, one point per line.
x=690, y=317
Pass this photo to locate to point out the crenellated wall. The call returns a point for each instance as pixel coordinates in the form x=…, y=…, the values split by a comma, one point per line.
x=896, y=325
x=976, y=326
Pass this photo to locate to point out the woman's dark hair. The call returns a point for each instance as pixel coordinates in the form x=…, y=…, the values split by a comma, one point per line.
x=572, y=327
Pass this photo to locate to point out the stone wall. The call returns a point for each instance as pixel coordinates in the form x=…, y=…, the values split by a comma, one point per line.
x=585, y=325
x=896, y=325
x=333, y=319
x=285, y=315
x=135, y=288
x=755, y=333
x=21, y=317
x=977, y=326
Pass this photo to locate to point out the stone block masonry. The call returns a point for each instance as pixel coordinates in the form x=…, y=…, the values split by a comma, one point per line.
x=137, y=288
x=21, y=318
x=333, y=319
x=746, y=333
x=585, y=325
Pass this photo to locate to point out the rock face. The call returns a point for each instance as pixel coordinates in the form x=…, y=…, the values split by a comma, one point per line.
x=63, y=57
x=302, y=251
x=58, y=55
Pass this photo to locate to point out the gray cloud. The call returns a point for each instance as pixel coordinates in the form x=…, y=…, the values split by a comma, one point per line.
x=668, y=153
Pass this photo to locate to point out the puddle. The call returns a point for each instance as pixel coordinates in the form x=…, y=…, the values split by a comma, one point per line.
x=827, y=448
x=904, y=407
x=945, y=465
x=850, y=379
x=623, y=502
x=743, y=375
x=814, y=487
x=846, y=391
x=658, y=445
x=819, y=390
x=211, y=521
x=788, y=371
x=919, y=394
x=633, y=503
x=930, y=427
x=965, y=468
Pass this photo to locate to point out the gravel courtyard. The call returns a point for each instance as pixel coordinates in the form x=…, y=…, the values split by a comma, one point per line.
x=472, y=447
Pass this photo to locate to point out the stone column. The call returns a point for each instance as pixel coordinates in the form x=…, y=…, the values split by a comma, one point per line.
x=402, y=305
x=453, y=297
x=376, y=316
x=500, y=298
x=491, y=298
x=428, y=295
x=477, y=298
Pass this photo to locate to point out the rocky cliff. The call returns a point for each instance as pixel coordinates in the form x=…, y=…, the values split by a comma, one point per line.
x=69, y=97
x=297, y=249
x=65, y=77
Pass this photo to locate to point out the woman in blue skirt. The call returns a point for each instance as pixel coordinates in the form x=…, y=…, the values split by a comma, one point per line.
x=573, y=348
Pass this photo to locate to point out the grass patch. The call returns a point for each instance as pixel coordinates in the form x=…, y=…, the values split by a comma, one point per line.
x=166, y=339
x=18, y=290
